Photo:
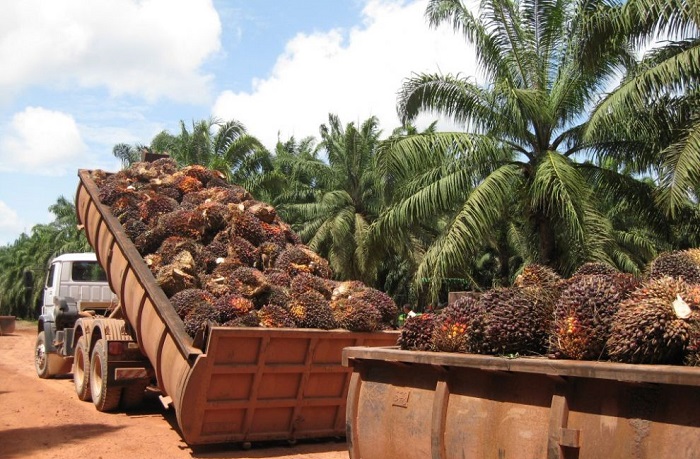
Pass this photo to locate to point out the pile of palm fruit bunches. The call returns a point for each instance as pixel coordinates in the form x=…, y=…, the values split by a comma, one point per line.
x=223, y=258
x=598, y=313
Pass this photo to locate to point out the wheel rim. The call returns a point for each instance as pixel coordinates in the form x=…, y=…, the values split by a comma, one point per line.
x=96, y=376
x=79, y=372
x=40, y=356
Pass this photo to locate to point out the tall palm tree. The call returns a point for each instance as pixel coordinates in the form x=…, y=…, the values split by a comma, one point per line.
x=512, y=177
x=346, y=196
x=656, y=106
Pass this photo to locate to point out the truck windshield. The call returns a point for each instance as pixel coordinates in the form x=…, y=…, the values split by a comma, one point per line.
x=87, y=271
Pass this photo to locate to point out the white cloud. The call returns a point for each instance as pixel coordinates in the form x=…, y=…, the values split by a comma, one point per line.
x=41, y=141
x=149, y=48
x=10, y=224
x=355, y=74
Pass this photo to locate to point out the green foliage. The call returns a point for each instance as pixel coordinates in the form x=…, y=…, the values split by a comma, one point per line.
x=655, y=106
x=32, y=253
x=510, y=185
x=332, y=204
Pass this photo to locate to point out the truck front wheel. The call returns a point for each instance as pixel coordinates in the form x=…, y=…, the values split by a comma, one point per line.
x=104, y=396
x=81, y=369
x=41, y=358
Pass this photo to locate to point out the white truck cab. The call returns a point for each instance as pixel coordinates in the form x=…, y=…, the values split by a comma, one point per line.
x=76, y=286
x=77, y=276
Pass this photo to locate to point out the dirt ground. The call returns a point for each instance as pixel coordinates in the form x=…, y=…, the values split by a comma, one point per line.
x=44, y=419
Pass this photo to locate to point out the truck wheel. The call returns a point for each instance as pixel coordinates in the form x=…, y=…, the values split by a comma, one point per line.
x=41, y=358
x=104, y=396
x=81, y=370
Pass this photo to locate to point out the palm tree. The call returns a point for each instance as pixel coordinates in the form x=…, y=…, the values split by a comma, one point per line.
x=510, y=182
x=33, y=253
x=128, y=154
x=289, y=181
x=656, y=106
x=224, y=146
x=336, y=201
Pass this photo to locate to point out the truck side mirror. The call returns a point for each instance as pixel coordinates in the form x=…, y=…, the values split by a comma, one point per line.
x=28, y=280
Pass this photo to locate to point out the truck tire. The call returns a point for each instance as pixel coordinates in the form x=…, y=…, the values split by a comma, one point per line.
x=104, y=396
x=41, y=358
x=81, y=370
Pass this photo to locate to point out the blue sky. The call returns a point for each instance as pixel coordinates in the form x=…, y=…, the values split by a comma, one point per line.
x=80, y=76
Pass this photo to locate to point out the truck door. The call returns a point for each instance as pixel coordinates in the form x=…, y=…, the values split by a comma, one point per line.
x=50, y=288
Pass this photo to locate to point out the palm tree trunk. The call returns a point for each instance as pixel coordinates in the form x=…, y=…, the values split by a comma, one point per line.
x=547, y=245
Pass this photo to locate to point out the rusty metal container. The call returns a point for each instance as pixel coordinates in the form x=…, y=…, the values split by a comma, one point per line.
x=405, y=404
x=7, y=325
x=244, y=384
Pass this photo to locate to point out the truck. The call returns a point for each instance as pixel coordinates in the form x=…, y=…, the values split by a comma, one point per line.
x=76, y=298
x=226, y=384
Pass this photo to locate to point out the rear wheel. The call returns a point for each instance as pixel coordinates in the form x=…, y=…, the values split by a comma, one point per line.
x=104, y=396
x=81, y=369
x=41, y=358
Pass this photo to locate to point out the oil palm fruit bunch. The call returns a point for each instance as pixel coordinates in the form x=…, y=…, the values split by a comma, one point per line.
x=250, y=319
x=246, y=225
x=540, y=282
x=694, y=255
x=356, y=314
x=199, y=317
x=655, y=323
x=248, y=282
x=242, y=250
x=185, y=300
x=154, y=205
x=583, y=317
x=186, y=223
x=272, y=316
x=595, y=267
x=304, y=282
x=275, y=295
x=278, y=277
x=346, y=289
x=626, y=282
x=311, y=310
x=450, y=332
x=692, y=352
x=382, y=302
x=417, y=333
x=216, y=217
x=300, y=259
x=174, y=245
x=509, y=321
x=179, y=274
x=196, y=232
x=232, y=306
x=677, y=263
x=267, y=254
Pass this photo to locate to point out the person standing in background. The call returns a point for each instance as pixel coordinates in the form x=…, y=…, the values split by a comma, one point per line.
x=407, y=312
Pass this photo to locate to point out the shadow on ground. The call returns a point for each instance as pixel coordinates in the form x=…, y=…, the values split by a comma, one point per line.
x=271, y=449
x=16, y=443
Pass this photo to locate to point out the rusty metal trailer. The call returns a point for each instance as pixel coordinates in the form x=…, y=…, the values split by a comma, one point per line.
x=406, y=404
x=241, y=385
